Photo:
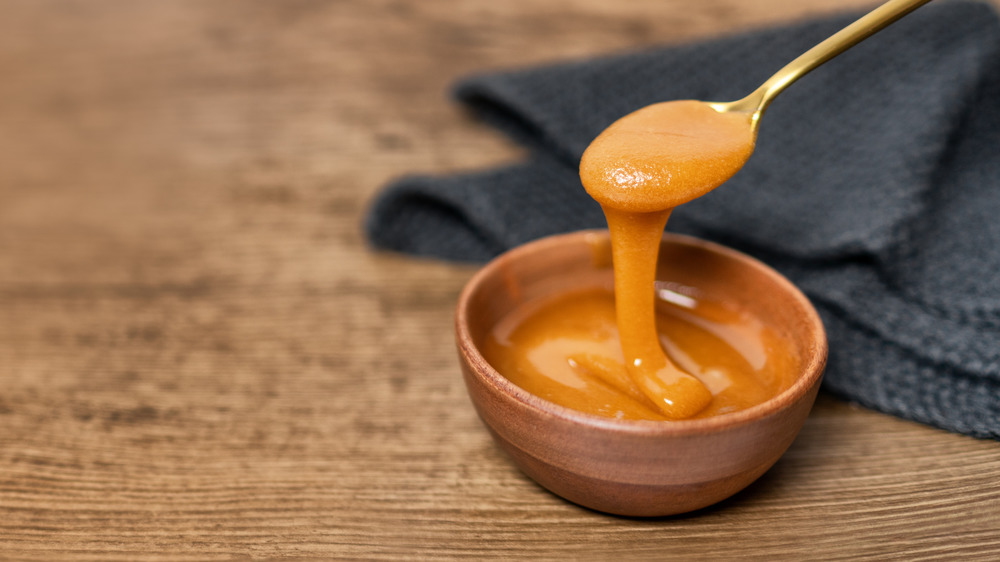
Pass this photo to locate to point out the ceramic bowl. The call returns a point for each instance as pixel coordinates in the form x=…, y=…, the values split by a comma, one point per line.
x=636, y=467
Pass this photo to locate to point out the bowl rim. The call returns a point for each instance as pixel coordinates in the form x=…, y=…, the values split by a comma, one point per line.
x=812, y=369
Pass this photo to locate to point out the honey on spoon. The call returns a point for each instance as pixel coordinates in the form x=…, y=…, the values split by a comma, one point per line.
x=664, y=155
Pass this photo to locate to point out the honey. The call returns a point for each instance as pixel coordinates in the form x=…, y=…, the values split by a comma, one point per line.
x=569, y=351
x=566, y=348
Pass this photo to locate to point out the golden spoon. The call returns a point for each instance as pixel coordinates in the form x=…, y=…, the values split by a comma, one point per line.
x=664, y=155
x=869, y=24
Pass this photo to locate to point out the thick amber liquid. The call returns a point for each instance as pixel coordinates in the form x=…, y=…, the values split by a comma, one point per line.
x=566, y=349
x=639, y=169
x=604, y=353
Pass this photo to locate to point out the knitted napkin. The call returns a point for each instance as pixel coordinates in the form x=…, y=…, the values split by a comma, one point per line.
x=875, y=187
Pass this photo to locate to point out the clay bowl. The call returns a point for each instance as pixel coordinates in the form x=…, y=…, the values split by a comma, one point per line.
x=636, y=467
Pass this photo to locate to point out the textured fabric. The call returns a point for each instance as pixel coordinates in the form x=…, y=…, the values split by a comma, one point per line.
x=875, y=186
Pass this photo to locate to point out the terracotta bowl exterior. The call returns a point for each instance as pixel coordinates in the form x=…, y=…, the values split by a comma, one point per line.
x=627, y=467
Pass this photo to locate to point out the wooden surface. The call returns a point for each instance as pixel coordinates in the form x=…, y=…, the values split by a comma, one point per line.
x=201, y=359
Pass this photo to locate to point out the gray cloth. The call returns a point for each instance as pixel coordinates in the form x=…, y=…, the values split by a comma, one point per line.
x=875, y=186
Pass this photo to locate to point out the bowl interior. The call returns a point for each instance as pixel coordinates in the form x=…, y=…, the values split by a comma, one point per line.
x=582, y=259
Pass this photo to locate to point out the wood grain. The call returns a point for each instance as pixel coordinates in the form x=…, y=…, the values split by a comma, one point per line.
x=201, y=359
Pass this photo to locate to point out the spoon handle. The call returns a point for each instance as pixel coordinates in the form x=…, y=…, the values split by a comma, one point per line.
x=866, y=26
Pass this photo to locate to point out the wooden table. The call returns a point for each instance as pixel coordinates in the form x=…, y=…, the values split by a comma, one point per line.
x=200, y=358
